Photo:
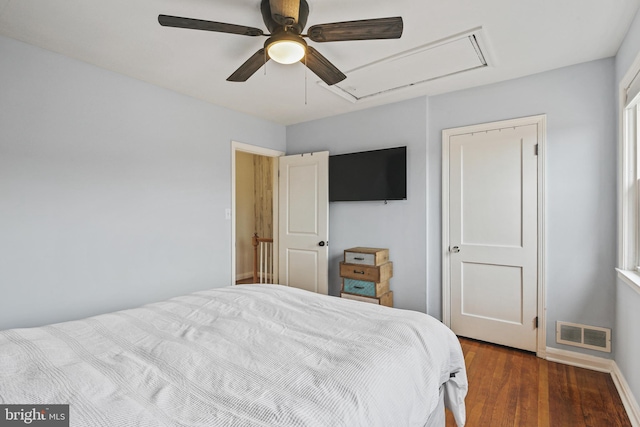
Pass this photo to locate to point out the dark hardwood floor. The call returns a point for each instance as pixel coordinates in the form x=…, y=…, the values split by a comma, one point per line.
x=510, y=387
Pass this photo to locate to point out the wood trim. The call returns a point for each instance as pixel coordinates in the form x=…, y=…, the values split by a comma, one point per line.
x=579, y=360
x=263, y=195
x=626, y=395
x=255, y=241
x=542, y=233
x=541, y=122
x=515, y=388
x=631, y=278
x=244, y=276
x=446, y=276
x=600, y=364
x=253, y=149
x=627, y=211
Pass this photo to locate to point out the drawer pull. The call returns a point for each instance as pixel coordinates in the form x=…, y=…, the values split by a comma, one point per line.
x=358, y=287
x=358, y=258
x=358, y=272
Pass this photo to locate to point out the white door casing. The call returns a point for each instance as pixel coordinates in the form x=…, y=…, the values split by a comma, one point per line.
x=304, y=221
x=491, y=243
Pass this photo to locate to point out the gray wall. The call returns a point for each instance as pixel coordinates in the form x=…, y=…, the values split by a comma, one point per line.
x=580, y=179
x=398, y=225
x=580, y=183
x=626, y=340
x=112, y=191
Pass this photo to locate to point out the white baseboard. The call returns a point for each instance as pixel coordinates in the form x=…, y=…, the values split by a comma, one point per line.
x=600, y=364
x=628, y=400
x=580, y=360
x=244, y=276
x=267, y=278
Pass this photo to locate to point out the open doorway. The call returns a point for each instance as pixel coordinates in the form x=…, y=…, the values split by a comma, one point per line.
x=254, y=213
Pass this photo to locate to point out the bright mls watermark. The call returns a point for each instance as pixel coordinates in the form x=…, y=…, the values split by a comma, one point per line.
x=34, y=415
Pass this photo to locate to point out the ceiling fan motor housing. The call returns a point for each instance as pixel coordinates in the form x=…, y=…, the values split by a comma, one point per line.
x=273, y=26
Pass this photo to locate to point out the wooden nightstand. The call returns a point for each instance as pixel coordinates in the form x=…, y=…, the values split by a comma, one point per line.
x=365, y=275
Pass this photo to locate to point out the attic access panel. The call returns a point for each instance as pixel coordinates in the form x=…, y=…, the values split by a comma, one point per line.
x=425, y=63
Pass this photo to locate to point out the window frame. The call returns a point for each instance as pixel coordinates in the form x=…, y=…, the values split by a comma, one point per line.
x=629, y=181
x=632, y=111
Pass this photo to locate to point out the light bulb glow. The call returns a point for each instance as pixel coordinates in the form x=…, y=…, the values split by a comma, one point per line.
x=286, y=51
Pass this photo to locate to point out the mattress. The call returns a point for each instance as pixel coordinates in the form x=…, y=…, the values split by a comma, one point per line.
x=249, y=355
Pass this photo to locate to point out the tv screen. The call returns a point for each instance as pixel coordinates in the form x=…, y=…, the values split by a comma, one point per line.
x=368, y=175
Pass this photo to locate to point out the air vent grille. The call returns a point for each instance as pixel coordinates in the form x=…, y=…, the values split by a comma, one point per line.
x=591, y=337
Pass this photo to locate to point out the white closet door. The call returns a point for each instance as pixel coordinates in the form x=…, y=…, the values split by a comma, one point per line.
x=493, y=235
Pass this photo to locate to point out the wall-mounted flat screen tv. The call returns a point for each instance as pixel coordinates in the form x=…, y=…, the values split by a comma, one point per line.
x=368, y=175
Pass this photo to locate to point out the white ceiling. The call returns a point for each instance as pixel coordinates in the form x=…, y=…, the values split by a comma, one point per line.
x=519, y=37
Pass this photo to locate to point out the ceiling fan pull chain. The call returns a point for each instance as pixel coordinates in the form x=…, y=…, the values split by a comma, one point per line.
x=305, y=79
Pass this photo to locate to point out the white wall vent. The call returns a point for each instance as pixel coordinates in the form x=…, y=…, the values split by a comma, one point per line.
x=591, y=337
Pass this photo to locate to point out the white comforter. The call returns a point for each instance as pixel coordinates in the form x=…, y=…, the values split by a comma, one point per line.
x=251, y=355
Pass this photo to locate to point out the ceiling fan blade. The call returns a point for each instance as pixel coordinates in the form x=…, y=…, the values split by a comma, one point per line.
x=250, y=66
x=367, y=29
x=322, y=67
x=198, y=24
x=285, y=12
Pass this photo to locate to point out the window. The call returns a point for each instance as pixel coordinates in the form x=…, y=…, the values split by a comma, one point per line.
x=631, y=131
x=631, y=134
x=629, y=195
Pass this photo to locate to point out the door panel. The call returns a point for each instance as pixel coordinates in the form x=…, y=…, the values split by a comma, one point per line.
x=490, y=164
x=303, y=269
x=493, y=227
x=302, y=198
x=304, y=221
x=481, y=282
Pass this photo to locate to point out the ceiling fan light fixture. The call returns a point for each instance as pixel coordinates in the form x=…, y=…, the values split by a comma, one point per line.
x=286, y=48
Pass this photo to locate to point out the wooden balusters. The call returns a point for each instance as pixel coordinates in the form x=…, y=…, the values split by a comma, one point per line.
x=262, y=259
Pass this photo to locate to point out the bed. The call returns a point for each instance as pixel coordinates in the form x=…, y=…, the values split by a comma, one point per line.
x=249, y=355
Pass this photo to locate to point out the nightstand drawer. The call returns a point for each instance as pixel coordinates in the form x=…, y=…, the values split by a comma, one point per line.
x=369, y=289
x=359, y=258
x=386, y=299
x=379, y=273
x=366, y=256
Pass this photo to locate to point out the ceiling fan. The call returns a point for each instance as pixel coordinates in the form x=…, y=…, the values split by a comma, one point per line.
x=286, y=19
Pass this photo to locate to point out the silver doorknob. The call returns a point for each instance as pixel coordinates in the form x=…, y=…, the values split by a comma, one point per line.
x=455, y=249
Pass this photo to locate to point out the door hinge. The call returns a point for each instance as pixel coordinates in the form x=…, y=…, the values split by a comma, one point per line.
x=535, y=322
x=535, y=150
